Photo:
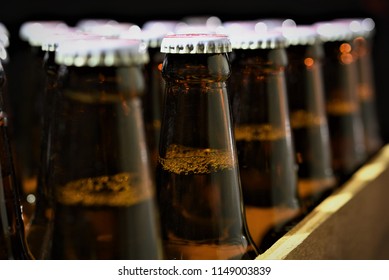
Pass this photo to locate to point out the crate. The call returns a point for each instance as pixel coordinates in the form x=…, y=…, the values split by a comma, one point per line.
x=350, y=224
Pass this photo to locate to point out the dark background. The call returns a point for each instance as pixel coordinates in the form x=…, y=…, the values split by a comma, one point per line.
x=302, y=11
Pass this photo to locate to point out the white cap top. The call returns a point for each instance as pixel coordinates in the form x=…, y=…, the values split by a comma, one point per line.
x=196, y=43
x=4, y=40
x=199, y=24
x=152, y=32
x=4, y=35
x=35, y=31
x=86, y=24
x=108, y=52
x=253, y=40
x=108, y=28
x=4, y=29
x=51, y=41
x=258, y=25
x=333, y=31
x=3, y=53
x=359, y=26
x=210, y=21
x=162, y=26
x=299, y=35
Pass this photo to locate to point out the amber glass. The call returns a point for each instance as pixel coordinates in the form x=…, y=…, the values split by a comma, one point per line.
x=38, y=233
x=366, y=93
x=198, y=182
x=308, y=119
x=98, y=167
x=343, y=108
x=13, y=244
x=28, y=115
x=267, y=162
x=153, y=100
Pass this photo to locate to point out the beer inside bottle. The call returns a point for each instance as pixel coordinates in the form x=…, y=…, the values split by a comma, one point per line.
x=267, y=167
x=198, y=192
x=102, y=217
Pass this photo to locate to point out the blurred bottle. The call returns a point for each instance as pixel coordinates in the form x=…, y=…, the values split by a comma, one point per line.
x=37, y=229
x=98, y=168
x=28, y=114
x=151, y=34
x=266, y=155
x=342, y=101
x=13, y=244
x=363, y=31
x=198, y=183
x=308, y=118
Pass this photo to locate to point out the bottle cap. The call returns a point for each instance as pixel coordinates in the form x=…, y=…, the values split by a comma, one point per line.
x=364, y=27
x=199, y=24
x=267, y=24
x=332, y=31
x=108, y=28
x=259, y=25
x=196, y=43
x=231, y=27
x=4, y=29
x=299, y=35
x=254, y=40
x=51, y=41
x=108, y=52
x=35, y=31
x=4, y=35
x=87, y=23
x=3, y=52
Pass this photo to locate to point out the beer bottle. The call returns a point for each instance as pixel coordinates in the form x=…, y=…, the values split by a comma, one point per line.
x=13, y=244
x=103, y=194
x=341, y=97
x=28, y=114
x=266, y=154
x=198, y=183
x=363, y=32
x=308, y=118
x=37, y=229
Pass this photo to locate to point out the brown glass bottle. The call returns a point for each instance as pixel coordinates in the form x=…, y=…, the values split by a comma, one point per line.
x=266, y=155
x=363, y=32
x=98, y=168
x=28, y=114
x=198, y=184
x=38, y=230
x=341, y=97
x=13, y=244
x=308, y=117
